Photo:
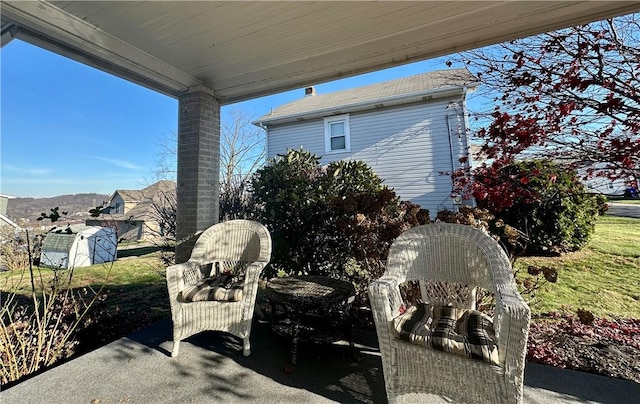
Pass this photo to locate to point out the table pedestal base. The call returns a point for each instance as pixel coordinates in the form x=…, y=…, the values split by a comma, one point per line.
x=311, y=309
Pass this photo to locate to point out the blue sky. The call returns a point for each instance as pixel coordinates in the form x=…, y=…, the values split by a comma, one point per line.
x=67, y=128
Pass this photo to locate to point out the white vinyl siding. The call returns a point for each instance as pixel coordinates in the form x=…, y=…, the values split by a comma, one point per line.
x=408, y=146
x=307, y=134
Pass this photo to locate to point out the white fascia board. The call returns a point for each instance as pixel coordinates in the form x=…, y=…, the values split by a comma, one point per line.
x=9, y=32
x=370, y=104
x=47, y=26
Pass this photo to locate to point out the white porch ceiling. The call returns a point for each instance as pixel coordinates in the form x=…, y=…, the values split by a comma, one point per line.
x=242, y=50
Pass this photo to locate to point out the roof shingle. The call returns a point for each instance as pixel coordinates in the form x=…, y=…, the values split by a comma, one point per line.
x=407, y=87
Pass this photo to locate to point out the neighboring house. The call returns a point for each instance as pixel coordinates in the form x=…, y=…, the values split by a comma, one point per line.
x=8, y=229
x=4, y=202
x=134, y=212
x=409, y=131
x=5, y=222
x=605, y=186
x=600, y=183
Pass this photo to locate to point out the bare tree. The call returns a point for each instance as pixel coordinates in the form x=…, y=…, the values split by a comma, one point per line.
x=242, y=152
x=164, y=213
x=166, y=163
x=242, y=148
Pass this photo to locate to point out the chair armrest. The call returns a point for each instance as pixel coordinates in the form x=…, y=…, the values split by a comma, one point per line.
x=511, y=321
x=175, y=278
x=250, y=290
x=253, y=271
x=385, y=299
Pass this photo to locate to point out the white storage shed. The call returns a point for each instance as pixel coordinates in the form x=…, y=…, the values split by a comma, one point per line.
x=79, y=246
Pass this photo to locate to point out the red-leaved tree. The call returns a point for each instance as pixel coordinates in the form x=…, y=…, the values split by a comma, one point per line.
x=572, y=96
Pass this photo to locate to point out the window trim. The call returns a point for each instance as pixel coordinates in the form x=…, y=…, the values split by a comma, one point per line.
x=327, y=133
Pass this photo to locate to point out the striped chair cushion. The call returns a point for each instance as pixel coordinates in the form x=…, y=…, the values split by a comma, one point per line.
x=463, y=332
x=226, y=288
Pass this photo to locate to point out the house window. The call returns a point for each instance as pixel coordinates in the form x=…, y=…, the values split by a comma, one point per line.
x=336, y=134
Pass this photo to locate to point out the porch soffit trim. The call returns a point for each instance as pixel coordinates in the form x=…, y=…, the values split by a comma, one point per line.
x=46, y=25
x=62, y=33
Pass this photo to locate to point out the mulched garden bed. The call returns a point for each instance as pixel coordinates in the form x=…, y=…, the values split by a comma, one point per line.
x=593, y=345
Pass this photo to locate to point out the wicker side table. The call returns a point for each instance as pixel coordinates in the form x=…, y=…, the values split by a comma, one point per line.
x=310, y=309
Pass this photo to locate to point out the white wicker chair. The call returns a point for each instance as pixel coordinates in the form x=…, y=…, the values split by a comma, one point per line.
x=238, y=245
x=464, y=258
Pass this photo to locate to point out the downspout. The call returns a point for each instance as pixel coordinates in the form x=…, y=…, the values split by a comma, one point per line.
x=463, y=103
x=454, y=199
x=465, y=122
x=457, y=200
x=266, y=138
x=450, y=142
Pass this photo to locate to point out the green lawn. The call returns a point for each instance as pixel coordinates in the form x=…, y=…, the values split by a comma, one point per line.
x=626, y=201
x=604, y=277
x=131, y=284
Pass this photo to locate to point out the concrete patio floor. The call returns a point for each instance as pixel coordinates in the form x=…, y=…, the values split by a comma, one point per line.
x=211, y=369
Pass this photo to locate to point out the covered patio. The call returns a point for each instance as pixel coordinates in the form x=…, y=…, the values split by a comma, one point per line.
x=211, y=369
x=208, y=54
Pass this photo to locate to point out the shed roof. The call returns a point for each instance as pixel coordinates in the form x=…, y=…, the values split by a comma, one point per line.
x=398, y=91
x=60, y=242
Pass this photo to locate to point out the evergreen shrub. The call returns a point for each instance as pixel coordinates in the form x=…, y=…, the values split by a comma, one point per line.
x=338, y=220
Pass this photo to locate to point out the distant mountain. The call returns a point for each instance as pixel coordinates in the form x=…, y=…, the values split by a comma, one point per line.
x=31, y=208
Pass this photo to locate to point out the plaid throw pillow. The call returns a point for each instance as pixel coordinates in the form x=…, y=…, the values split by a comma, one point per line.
x=444, y=337
x=223, y=288
x=481, y=336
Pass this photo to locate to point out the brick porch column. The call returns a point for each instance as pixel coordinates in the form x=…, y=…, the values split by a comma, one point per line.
x=198, y=178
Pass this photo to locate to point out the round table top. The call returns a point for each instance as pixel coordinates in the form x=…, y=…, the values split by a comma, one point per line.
x=315, y=289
